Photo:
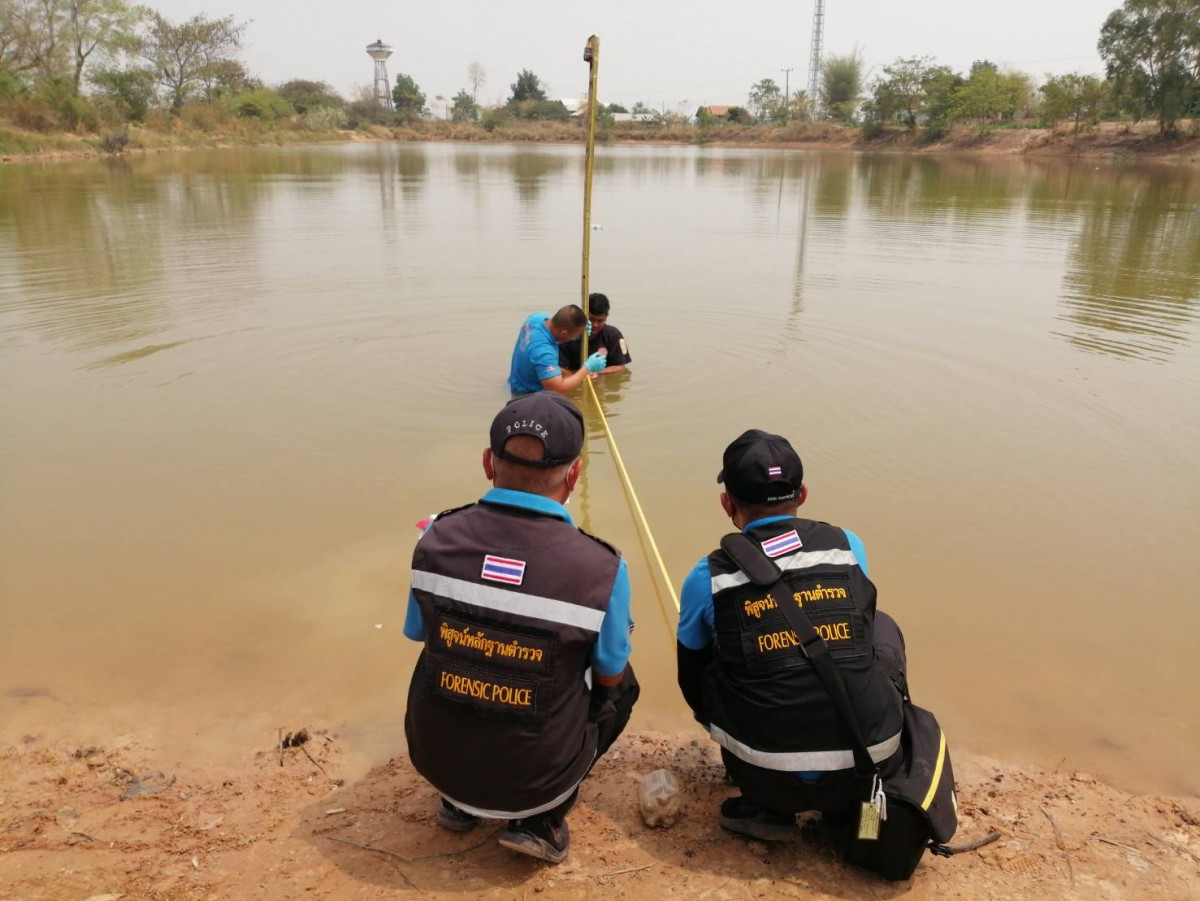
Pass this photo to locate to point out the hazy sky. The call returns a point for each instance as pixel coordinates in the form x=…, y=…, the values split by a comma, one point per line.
x=682, y=54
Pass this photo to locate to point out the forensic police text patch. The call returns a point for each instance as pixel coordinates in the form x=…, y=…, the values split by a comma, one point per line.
x=485, y=691
x=768, y=640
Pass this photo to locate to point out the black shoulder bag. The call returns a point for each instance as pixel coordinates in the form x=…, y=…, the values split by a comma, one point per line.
x=911, y=808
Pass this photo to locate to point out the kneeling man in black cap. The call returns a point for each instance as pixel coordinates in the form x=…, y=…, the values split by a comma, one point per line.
x=744, y=673
x=524, y=680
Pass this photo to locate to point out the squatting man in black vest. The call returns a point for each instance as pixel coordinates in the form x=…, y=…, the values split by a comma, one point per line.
x=524, y=679
x=744, y=675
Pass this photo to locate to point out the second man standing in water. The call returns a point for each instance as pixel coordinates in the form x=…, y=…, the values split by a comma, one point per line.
x=603, y=339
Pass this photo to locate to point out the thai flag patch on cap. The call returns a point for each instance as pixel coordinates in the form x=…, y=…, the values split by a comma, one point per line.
x=502, y=569
x=781, y=544
x=775, y=471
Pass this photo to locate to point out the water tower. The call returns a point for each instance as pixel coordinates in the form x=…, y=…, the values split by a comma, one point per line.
x=379, y=51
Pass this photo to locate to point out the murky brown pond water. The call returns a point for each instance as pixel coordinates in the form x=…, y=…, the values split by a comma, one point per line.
x=230, y=382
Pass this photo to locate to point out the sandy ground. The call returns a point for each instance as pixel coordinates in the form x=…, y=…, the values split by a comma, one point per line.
x=98, y=824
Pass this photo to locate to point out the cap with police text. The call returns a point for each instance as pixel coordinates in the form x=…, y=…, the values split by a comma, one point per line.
x=544, y=415
x=761, y=468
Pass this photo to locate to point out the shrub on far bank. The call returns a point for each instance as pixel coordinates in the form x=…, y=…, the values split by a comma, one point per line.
x=126, y=93
x=157, y=119
x=325, y=118
x=261, y=103
x=306, y=95
x=11, y=87
x=439, y=131
x=30, y=113
x=201, y=116
x=540, y=110
x=535, y=132
x=74, y=112
x=51, y=106
x=363, y=113
x=493, y=118
x=874, y=129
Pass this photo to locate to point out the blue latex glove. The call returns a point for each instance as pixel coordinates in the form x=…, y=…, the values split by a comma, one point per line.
x=595, y=362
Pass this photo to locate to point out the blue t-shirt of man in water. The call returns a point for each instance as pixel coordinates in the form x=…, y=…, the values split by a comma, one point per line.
x=535, y=356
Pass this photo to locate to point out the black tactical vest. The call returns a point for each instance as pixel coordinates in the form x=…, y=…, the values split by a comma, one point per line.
x=512, y=602
x=766, y=704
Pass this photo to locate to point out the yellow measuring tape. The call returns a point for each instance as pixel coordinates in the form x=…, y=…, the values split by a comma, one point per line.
x=591, y=55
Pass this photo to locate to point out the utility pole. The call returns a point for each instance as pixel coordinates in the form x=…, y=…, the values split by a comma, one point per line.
x=787, y=74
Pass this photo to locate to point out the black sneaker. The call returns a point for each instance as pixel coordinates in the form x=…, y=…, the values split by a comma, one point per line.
x=543, y=837
x=746, y=818
x=450, y=817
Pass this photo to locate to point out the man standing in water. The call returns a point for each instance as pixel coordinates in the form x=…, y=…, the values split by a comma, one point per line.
x=535, y=365
x=603, y=338
x=524, y=680
x=744, y=675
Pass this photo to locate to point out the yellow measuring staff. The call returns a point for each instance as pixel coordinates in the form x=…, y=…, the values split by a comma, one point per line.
x=591, y=55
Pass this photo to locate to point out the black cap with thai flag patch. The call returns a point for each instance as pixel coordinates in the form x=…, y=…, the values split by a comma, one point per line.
x=761, y=468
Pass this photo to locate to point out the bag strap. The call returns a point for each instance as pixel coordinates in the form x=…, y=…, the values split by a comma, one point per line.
x=765, y=573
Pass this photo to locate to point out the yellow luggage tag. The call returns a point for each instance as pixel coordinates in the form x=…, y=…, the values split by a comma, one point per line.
x=873, y=812
x=868, y=822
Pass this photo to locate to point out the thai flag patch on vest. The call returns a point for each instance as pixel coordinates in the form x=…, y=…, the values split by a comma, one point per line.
x=781, y=544
x=502, y=569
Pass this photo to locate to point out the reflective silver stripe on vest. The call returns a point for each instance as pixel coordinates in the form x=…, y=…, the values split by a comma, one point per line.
x=801, y=761
x=506, y=601
x=512, y=814
x=798, y=560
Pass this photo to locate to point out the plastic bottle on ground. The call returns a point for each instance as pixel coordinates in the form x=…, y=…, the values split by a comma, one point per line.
x=658, y=797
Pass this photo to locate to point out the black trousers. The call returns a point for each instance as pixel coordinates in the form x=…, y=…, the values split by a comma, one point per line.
x=833, y=792
x=610, y=710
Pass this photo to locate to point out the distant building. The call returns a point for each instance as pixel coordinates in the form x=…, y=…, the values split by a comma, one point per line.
x=717, y=112
x=576, y=106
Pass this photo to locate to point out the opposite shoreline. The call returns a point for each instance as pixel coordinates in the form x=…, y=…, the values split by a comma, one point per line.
x=1112, y=142
x=85, y=822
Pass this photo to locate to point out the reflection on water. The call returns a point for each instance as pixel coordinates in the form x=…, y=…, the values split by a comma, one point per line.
x=230, y=382
x=1130, y=283
x=529, y=172
x=410, y=173
x=104, y=225
x=1134, y=270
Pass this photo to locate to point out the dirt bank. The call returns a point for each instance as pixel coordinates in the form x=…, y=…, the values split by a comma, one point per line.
x=1111, y=141
x=79, y=823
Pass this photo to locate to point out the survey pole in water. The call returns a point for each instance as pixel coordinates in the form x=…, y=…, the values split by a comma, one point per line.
x=591, y=56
